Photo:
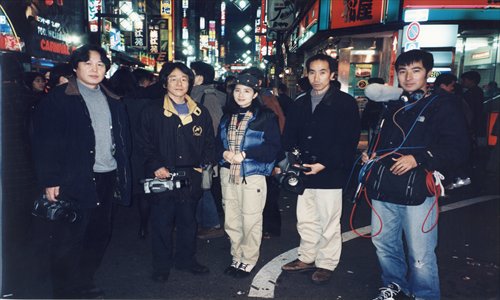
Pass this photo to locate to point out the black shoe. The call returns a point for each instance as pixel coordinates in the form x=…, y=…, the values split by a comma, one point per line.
x=195, y=268
x=160, y=277
x=233, y=267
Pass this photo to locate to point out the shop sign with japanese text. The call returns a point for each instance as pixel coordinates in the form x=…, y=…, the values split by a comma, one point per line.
x=165, y=8
x=94, y=6
x=280, y=14
x=138, y=40
x=350, y=13
x=154, y=31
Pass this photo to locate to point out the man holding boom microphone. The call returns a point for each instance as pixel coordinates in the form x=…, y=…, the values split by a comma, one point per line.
x=418, y=132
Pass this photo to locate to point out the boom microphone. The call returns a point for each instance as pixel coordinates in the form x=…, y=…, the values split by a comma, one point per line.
x=382, y=93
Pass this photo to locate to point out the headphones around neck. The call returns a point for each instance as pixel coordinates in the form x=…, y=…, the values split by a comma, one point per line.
x=412, y=97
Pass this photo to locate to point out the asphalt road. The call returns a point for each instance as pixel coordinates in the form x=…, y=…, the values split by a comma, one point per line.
x=468, y=257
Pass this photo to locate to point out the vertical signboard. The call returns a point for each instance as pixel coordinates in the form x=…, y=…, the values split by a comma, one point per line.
x=154, y=32
x=138, y=39
x=94, y=6
x=165, y=8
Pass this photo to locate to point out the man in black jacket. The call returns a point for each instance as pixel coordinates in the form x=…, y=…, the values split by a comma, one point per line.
x=421, y=131
x=80, y=146
x=176, y=136
x=324, y=124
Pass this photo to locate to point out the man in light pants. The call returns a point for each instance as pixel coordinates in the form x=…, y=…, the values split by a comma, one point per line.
x=324, y=124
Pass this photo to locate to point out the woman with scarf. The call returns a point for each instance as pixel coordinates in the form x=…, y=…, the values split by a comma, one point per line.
x=248, y=143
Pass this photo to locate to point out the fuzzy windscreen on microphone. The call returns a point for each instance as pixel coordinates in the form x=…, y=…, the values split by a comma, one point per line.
x=382, y=93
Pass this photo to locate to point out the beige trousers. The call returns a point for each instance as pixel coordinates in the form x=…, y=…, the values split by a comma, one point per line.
x=243, y=205
x=318, y=224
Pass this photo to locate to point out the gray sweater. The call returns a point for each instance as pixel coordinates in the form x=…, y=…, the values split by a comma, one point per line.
x=101, y=123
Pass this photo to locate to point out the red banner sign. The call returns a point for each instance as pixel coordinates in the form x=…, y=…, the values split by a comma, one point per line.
x=350, y=13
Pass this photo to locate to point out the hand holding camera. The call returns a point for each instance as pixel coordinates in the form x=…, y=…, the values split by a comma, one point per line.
x=160, y=185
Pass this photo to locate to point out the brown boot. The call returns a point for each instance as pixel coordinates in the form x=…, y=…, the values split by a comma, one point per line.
x=298, y=266
x=321, y=276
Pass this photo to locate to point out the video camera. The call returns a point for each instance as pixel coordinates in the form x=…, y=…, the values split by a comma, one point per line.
x=55, y=211
x=291, y=168
x=157, y=185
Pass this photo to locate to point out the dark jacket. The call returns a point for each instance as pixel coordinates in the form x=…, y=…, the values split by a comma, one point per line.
x=435, y=131
x=260, y=143
x=168, y=142
x=64, y=145
x=328, y=136
x=135, y=105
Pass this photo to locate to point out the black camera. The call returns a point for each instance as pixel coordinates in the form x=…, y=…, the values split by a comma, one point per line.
x=290, y=176
x=156, y=185
x=60, y=210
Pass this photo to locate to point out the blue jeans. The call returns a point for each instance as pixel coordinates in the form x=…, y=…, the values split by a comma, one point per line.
x=420, y=276
x=206, y=213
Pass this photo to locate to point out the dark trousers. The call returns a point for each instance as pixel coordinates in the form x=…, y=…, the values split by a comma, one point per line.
x=77, y=249
x=271, y=215
x=175, y=209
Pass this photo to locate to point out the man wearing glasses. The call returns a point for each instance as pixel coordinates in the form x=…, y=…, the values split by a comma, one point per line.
x=176, y=137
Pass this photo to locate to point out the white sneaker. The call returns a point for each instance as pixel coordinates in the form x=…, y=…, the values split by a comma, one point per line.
x=392, y=292
x=245, y=267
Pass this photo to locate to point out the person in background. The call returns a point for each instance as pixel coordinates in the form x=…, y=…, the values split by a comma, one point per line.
x=324, y=124
x=144, y=77
x=59, y=74
x=229, y=84
x=205, y=93
x=474, y=97
x=176, y=136
x=445, y=84
x=36, y=83
x=80, y=148
x=125, y=84
x=248, y=141
x=283, y=98
x=491, y=90
x=303, y=85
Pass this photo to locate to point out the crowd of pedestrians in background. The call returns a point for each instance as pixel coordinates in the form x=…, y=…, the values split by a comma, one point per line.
x=96, y=140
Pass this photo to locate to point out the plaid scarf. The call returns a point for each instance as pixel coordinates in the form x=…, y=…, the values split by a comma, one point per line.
x=235, y=133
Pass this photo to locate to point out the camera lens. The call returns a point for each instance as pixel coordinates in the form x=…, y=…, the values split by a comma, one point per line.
x=293, y=181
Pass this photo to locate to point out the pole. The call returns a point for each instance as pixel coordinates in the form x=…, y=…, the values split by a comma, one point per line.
x=279, y=59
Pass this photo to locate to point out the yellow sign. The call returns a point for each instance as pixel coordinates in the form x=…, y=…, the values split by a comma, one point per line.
x=165, y=8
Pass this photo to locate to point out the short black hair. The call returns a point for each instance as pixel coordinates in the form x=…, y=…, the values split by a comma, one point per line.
x=282, y=88
x=473, y=76
x=142, y=74
x=169, y=67
x=445, y=78
x=29, y=77
x=413, y=56
x=323, y=57
x=304, y=84
x=63, y=69
x=82, y=54
x=205, y=70
x=376, y=80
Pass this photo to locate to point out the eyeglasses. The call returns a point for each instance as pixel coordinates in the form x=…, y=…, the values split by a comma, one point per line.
x=99, y=65
x=183, y=80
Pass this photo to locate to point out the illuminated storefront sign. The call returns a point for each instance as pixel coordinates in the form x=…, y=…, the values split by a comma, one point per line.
x=154, y=31
x=352, y=13
x=223, y=19
x=55, y=47
x=165, y=8
x=94, y=6
x=138, y=40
